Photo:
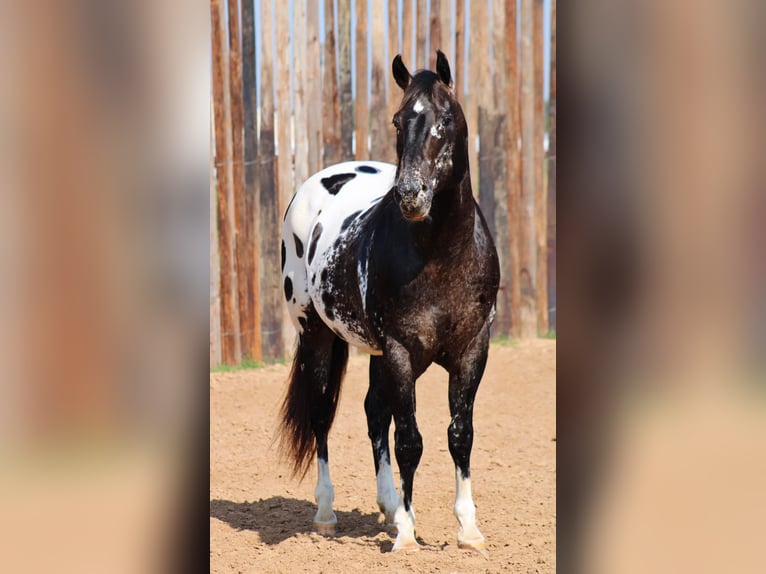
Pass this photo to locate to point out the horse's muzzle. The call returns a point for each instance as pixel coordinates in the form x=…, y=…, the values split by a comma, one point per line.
x=414, y=200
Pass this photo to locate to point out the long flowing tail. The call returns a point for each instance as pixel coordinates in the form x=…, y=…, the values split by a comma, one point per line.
x=312, y=397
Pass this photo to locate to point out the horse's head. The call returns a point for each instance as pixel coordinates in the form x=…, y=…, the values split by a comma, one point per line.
x=431, y=137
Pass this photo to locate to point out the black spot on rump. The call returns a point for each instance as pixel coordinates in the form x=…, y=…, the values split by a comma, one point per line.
x=314, y=239
x=288, y=288
x=324, y=275
x=284, y=255
x=349, y=220
x=298, y=246
x=334, y=183
x=367, y=169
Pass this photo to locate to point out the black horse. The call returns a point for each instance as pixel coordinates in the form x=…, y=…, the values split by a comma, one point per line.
x=398, y=261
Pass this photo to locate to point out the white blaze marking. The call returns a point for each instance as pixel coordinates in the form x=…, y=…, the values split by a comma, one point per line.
x=324, y=494
x=465, y=511
x=387, y=498
x=418, y=107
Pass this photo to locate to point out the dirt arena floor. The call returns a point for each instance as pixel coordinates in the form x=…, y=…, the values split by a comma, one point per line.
x=260, y=518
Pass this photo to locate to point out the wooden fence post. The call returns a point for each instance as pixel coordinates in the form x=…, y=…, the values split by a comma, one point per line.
x=434, y=33
x=528, y=243
x=344, y=88
x=361, y=108
x=460, y=73
x=421, y=31
x=393, y=96
x=330, y=104
x=479, y=73
x=243, y=262
x=269, y=218
x=249, y=63
x=446, y=40
x=408, y=33
x=314, y=88
x=495, y=148
x=285, y=178
x=381, y=141
x=513, y=162
x=301, y=104
x=231, y=351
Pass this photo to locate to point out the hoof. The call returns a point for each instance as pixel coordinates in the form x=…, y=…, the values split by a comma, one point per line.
x=476, y=545
x=405, y=546
x=325, y=528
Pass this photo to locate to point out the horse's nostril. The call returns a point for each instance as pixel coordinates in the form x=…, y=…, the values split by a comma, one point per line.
x=423, y=187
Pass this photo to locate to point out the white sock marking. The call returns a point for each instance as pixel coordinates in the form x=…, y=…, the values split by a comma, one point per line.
x=387, y=498
x=465, y=511
x=405, y=526
x=324, y=494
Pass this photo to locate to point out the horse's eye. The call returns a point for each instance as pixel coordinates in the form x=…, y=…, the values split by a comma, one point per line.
x=446, y=120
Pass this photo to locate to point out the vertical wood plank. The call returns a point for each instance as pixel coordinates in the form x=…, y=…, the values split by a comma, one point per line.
x=380, y=148
x=460, y=73
x=285, y=185
x=393, y=95
x=513, y=161
x=330, y=103
x=301, y=112
x=269, y=216
x=344, y=87
x=479, y=74
x=231, y=352
x=408, y=34
x=421, y=30
x=551, y=166
x=250, y=101
x=361, y=107
x=435, y=33
x=243, y=262
x=541, y=201
x=447, y=33
x=497, y=152
x=313, y=88
x=527, y=244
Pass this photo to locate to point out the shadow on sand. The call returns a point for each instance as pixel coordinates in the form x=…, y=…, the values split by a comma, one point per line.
x=279, y=518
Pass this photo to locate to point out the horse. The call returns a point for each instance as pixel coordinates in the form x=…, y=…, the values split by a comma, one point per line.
x=396, y=260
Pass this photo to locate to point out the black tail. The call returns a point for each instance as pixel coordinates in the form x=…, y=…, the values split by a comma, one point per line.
x=312, y=397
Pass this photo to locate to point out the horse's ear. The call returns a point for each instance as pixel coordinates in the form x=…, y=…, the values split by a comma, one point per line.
x=442, y=68
x=401, y=73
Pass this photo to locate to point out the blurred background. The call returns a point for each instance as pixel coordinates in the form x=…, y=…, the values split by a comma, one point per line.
x=105, y=128
x=304, y=84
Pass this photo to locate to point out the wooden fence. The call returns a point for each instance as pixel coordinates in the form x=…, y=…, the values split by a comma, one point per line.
x=309, y=111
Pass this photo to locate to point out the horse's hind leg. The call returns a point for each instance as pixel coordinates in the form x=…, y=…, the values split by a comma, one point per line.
x=309, y=409
x=378, y=423
x=463, y=383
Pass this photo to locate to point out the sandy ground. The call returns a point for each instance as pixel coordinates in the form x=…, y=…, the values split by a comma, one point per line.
x=260, y=518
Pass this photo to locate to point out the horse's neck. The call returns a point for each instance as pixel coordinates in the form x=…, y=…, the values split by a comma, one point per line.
x=451, y=219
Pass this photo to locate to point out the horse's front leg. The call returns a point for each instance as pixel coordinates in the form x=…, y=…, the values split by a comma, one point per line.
x=408, y=444
x=463, y=383
x=378, y=423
